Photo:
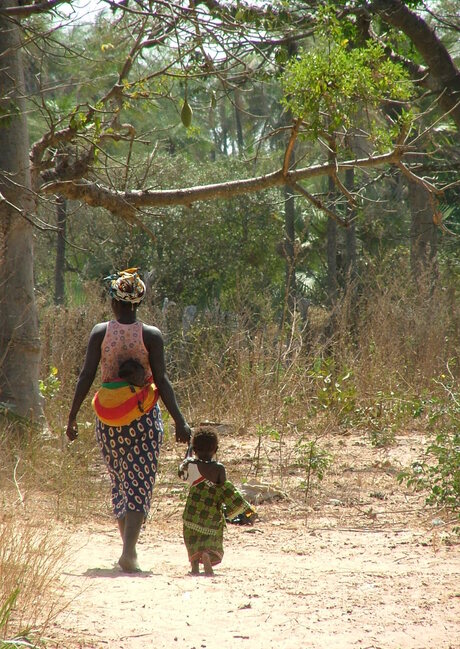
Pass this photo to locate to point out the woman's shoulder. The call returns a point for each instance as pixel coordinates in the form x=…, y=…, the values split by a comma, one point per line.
x=151, y=333
x=99, y=329
x=150, y=328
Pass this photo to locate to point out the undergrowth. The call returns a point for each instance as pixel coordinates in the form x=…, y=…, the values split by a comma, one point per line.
x=379, y=375
x=437, y=473
x=32, y=557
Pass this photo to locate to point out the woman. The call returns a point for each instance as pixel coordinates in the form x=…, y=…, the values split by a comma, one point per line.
x=129, y=429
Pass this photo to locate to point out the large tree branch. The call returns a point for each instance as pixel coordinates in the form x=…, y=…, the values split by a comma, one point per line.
x=23, y=11
x=126, y=204
x=433, y=51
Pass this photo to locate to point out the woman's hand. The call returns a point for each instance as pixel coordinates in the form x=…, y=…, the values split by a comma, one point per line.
x=183, y=432
x=72, y=429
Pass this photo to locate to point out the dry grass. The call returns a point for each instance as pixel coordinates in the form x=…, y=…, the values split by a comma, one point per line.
x=278, y=390
x=387, y=347
x=32, y=557
x=44, y=484
x=239, y=367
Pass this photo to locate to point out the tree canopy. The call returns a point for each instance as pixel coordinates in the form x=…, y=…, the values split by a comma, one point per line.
x=155, y=107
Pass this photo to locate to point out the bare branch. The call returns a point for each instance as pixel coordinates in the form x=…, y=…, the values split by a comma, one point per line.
x=290, y=146
x=319, y=205
x=35, y=8
x=339, y=184
x=432, y=189
x=44, y=228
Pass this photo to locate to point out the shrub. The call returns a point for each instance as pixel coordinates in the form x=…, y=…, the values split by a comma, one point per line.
x=438, y=472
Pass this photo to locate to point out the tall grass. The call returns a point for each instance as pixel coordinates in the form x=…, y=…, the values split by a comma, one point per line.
x=388, y=339
x=32, y=551
x=32, y=557
x=40, y=484
x=372, y=364
x=368, y=364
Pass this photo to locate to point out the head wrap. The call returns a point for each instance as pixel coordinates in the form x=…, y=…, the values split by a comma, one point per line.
x=126, y=286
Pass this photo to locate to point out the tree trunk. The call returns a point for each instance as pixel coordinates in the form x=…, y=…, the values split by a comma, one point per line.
x=331, y=253
x=351, y=271
x=444, y=76
x=59, y=269
x=289, y=250
x=19, y=337
x=239, y=126
x=424, y=235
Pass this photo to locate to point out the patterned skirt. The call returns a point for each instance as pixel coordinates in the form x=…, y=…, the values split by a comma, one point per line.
x=131, y=455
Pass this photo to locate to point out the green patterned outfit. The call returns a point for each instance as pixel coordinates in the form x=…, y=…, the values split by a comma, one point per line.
x=204, y=519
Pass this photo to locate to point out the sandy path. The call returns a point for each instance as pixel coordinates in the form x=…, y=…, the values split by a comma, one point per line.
x=280, y=585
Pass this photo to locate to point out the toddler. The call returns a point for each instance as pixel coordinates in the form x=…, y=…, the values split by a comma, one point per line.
x=210, y=492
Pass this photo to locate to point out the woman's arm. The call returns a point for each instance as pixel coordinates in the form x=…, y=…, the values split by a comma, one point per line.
x=86, y=377
x=153, y=341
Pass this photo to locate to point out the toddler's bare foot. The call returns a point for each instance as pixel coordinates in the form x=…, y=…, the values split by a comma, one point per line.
x=129, y=564
x=195, y=568
x=207, y=565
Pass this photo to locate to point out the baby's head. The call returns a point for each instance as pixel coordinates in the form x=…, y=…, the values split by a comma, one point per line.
x=132, y=371
x=204, y=443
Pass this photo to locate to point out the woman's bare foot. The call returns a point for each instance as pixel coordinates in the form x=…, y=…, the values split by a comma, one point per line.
x=129, y=564
x=207, y=565
x=130, y=526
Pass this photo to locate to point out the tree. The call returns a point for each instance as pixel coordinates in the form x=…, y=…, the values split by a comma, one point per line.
x=19, y=338
x=441, y=77
x=160, y=51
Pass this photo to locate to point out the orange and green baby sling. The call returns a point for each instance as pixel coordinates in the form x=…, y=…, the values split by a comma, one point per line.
x=119, y=403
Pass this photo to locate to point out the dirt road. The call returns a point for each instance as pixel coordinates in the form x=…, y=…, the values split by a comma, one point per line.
x=281, y=585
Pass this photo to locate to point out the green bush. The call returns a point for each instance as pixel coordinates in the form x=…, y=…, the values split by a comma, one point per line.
x=438, y=472
x=314, y=461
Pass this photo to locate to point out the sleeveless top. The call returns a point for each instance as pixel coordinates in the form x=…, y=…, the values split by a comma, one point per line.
x=122, y=341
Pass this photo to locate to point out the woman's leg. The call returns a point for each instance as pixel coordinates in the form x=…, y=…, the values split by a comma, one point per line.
x=121, y=526
x=132, y=465
x=131, y=530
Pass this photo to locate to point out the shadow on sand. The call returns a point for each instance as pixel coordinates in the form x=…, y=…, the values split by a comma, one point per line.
x=116, y=571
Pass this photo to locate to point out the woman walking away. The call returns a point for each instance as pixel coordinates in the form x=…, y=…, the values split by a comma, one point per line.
x=129, y=429
x=209, y=493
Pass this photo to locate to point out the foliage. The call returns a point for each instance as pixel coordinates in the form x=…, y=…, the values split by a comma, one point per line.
x=203, y=255
x=388, y=413
x=438, y=472
x=335, y=88
x=6, y=609
x=314, y=461
x=49, y=387
x=334, y=388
